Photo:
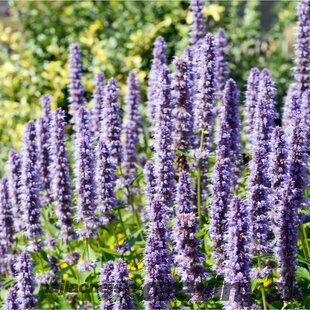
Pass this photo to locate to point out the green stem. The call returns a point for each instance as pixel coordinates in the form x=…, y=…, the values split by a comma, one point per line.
x=262, y=286
x=205, y=305
x=90, y=279
x=199, y=182
x=306, y=239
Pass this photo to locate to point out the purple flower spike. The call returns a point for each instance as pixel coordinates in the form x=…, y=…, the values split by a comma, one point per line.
x=197, y=26
x=206, y=91
x=6, y=218
x=291, y=106
x=25, y=283
x=123, y=297
x=158, y=280
x=105, y=182
x=61, y=189
x=278, y=168
x=85, y=176
x=131, y=128
x=111, y=122
x=251, y=101
x=302, y=52
x=106, y=282
x=30, y=185
x=14, y=164
x=305, y=111
x=10, y=300
x=76, y=88
x=163, y=157
x=182, y=112
x=150, y=187
x=187, y=257
x=97, y=108
x=236, y=272
x=221, y=64
x=159, y=59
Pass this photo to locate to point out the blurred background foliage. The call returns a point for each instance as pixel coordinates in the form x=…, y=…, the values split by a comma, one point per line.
x=116, y=37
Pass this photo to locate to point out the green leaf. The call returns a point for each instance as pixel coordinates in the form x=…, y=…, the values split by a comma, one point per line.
x=114, y=253
x=62, y=302
x=302, y=273
x=186, y=153
x=255, y=283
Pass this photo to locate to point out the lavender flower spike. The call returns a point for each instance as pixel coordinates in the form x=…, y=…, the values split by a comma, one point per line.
x=305, y=111
x=105, y=182
x=61, y=189
x=131, y=127
x=14, y=164
x=76, y=89
x=206, y=91
x=236, y=271
x=163, y=157
x=106, y=282
x=187, y=257
x=98, y=96
x=111, y=123
x=85, y=176
x=150, y=187
x=123, y=297
x=278, y=168
x=44, y=160
x=292, y=106
x=10, y=300
x=159, y=59
x=30, y=185
x=302, y=52
x=6, y=219
x=221, y=64
x=182, y=112
x=251, y=101
x=197, y=26
x=25, y=283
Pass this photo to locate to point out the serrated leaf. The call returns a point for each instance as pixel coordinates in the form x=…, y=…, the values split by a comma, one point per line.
x=302, y=273
x=255, y=283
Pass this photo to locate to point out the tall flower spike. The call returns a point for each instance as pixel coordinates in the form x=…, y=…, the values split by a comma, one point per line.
x=123, y=297
x=291, y=106
x=106, y=282
x=236, y=272
x=197, y=26
x=150, y=186
x=157, y=260
x=131, y=127
x=14, y=164
x=98, y=96
x=305, y=111
x=61, y=189
x=163, y=157
x=85, y=175
x=76, y=89
x=222, y=177
x=111, y=122
x=206, y=90
x=6, y=218
x=105, y=182
x=10, y=300
x=30, y=186
x=25, y=282
x=159, y=59
x=182, y=112
x=44, y=158
x=251, y=101
x=221, y=64
x=187, y=258
x=302, y=52
x=278, y=168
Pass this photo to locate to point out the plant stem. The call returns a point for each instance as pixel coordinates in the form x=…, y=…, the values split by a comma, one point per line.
x=122, y=223
x=90, y=279
x=199, y=182
x=306, y=239
x=262, y=286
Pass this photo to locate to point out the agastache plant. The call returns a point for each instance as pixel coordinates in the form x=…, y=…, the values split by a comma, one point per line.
x=251, y=101
x=30, y=202
x=85, y=175
x=6, y=219
x=182, y=112
x=305, y=111
x=187, y=258
x=197, y=26
x=76, y=88
x=60, y=182
x=292, y=106
x=14, y=165
x=302, y=52
x=159, y=59
x=236, y=270
x=150, y=187
x=44, y=158
x=25, y=282
x=163, y=157
x=111, y=122
x=131, y=128
x=221, y=64
x=10, y=300
x=106, y=282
